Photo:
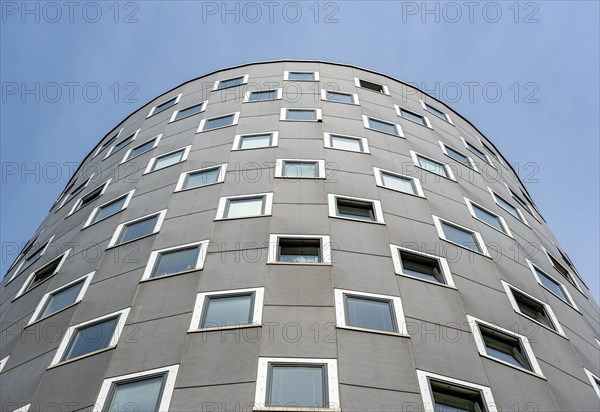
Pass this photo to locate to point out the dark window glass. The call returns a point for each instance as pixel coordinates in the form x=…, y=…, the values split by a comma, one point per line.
x=122, y=144
x=219, y=122
x=533, y=309
x=490, y=219
x=189, y=111
x=136, y=230
x=78, y=189
x=504, y=347
x=203, y=178
x=550, y=284
x=355, y=209
x=460, y=236
x=413, y=117
x=436, y=112
x=176, y=261
x=477, y=152
x=108, y=142
x=224, y=84
x=561, y=269
x=370, y=313
x=136, y=396
x=228, y=311
x=371, y=86
x=141, y=149
x=90, y=197
x=459, y=157
x=109, y=209
x=339, y=97
x=34, y=256
x=91, y=338
x=265, y=95
x=383, y=127
x=297, y=385
x=44, y=273
x=61, y=299
x=421, y=266
x=508, y=207
x=451, y=398
x=299, y=250
x=164, y=106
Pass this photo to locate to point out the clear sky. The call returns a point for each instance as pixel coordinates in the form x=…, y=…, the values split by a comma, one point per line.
x=525, y=73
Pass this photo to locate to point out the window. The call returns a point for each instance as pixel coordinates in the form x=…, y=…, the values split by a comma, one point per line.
x=520, y=201
x=398, y=182
x=503, y=345
x=201, y=177
x=138, y=228
x=61, y=298
x=255, y=141
x=300, y=169
x=3, y=362
x=91, y=337
x=349, y=143
x=109, y=208
x=168, y=159
x=491, y=219
x=39, y=252
x=263, y=95
x=431, y=165
x=355, y=208
x=551, y=285
x=176, y=260
x=218, y=122
x=560, y=268
x=297, y=383
x=458, y=156
x=188, y=111
x=301, y=115
x=301, y=76
x=412, y=116
x=235, y=207
x=460, y=235
x=436, y=112
x=23, y=408
x=382, y=126
x=368, y=311
x=76, y=191
x=232, y=82
x=299, y=249
x=164, y=106
x=477, y=152
x=339, y=97
x=43, y=273
x=148, y=391
x=228, y=309
x=141, y=149
x=516, y=213
x=445, y=394
x=122, y=144
x=108, y=143
x=532, y=308
x=89, y=198
x=594, y=380
x=422, y=266
x=365, y=84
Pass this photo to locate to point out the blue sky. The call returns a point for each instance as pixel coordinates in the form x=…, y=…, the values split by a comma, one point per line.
x=527, y=75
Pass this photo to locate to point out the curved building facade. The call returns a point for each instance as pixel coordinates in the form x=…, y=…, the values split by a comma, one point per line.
x=296, y=235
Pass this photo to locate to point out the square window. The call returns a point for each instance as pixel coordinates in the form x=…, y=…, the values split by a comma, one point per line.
x=431, y=165
x=176, y=260
x=382, y=126
x=458, y=156
x=436, y=112
x=422, y=266
x=491, y=219
x=398, y=182
x=164, y=106
x=300, y=169
x=61, y=298
x=349, y=143
x=235, y=207
x=232, y=82
x=228, y=309
x=301, y=76
x=376, y=87
x=141, y=149
x=301, y=115
x=201, y=177
x=355, y=208
x=299, y=249
x=218, y=122
x=188, y=111
x=339, y=97
x=255, y=141
x=412, y=116
x=43, y=273
x=167, y=159
x=532, y=308
x=263, y=95
x=460, y=235
x=138, y=228
x=110, y=208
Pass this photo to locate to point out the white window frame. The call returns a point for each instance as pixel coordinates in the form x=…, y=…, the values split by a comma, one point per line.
x=236, y=118
x=363, y=140
x=218, y=82
x=564, y=289
x=467, y=144
x=23, y=408
x=424, y=106
x=67, y=196
x=112, y=148
x=443, y=263
x=425, y=118
x=595, y=381
x=513, y=302
x=238, y=138
x=3, y=362
x=398, y=311
x=78, y=202
x=274, y=246
x=87, y=279
x=122, y=314
x=202, y=109
x=154, y=257
x=177, y=98
x=182, y=178
x=438, y=225
x=200, y=306
x=262, y=387
x=128, y=196
x=444, y=148
x=396, y=126
x=386, y=90
x=521, y=215
x=278, y=95
x=503, y=223
x=104, y=146
x=570, y=274
x=427, y=395
x=161, y=217
x=20, y=267
x=415, y=157
x=284, y=111
x=379, y=182
x=286, y=75
x=477, y=335
x=167, y=393
x=355, y=100
x=128, y=152
x=268, y=205
x=152, y=162
x=495, y=155
x=280, y=163
x=61, y=260
x=376, y=206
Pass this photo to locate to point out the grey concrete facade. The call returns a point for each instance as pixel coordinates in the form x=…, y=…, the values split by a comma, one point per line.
x=218, y=370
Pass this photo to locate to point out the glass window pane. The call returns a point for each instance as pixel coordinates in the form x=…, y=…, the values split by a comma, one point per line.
x=168, y=160
x=189, y=111
x=44, y=273
x=294, y=114
x=228, y=311
x=110, y=209
x=508, y=207
x=245, y=207
x=299, y=250
x=477, y=152
x=503, y=347
x=300, y=169
x=551, y=285
x=355, y=209
x=421, y=267
x=137, y=396
x=34, y=256
x=413, y=117
x=462, y=237
x=533, y=309
x=383, y=126
x=371, y=86
x=91, y=338
x=61, y=299
x=164, y=106
x=138, y=229
x=459, y=157
x=398, y=183
x=202, y=178
x=339, y=97
x=256, y=141
x=176, y=261
x=432, y=166
x=264, y=95
x=142, y=149
x=346, y=143
x=223, y=84
x=435, y=112
x=122, y=144
x=488, y=218
x=219, y=122
x=369, y=314
x=297, y=386
x=449, y=398
x=301, y=76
